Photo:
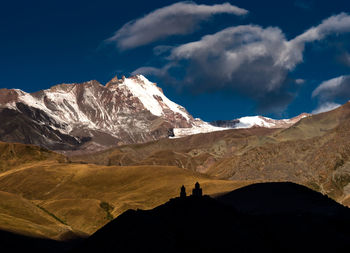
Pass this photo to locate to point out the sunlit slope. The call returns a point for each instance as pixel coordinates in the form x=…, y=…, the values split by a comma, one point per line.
x=87, y=196
x=16, y=154
x=196, y=152
x=19, y=215
x=315, y=125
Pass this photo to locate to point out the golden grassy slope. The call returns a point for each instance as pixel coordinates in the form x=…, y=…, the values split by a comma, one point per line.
x=74, y=192
x=16, y=154
x=19, y=215
x=40, y=192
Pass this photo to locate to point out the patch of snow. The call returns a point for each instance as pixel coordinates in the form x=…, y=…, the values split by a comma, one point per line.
x=198, y=127
x=250, y=121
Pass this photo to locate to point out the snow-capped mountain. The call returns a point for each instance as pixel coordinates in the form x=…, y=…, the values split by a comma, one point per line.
x=90, y=115
x=258, y=121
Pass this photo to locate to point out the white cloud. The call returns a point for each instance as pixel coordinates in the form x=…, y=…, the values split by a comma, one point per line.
x=249, y=59
x=335, y=88
x=237, y=56
x=328, y=106
x=333, y=25
x=177, y=19
x=293, y=54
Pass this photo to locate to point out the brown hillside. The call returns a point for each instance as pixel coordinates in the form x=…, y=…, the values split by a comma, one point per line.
x=315, y=125
x=16, y=154
x=196, y=152
x=320, y=162
x=19, y=215
x=86, y=196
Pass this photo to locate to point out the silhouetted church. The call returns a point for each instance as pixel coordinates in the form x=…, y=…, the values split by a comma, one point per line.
x=183, y=192
x=196, y=192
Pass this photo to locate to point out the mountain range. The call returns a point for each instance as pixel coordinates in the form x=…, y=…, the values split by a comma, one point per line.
x=88, y=117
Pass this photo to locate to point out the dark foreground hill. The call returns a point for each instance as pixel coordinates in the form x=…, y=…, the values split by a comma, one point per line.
x=11, y=242
x=271, y=217
x=282, y=198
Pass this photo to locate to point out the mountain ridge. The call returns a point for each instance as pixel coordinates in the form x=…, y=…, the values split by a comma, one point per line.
x=259, y=121
x=88, y=117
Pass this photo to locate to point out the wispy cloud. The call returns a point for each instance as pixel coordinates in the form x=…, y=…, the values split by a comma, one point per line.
x=335, y=88
x=249, y=59
x=325, y=107
x=293, y=54
x=331, y=90
x=177, y=19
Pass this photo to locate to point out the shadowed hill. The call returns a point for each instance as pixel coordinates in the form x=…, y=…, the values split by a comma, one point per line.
x=281, y=198
x=210, y=225
x=15, y=243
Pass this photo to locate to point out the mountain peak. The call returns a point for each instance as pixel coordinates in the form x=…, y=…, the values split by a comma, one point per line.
x=126, y=110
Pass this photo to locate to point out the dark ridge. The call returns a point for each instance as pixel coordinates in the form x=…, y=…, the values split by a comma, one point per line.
x=203, y=224
x=286, y=197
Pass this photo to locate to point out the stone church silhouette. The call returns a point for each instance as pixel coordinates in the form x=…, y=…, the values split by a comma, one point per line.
x=183, y=192
x=196, y=191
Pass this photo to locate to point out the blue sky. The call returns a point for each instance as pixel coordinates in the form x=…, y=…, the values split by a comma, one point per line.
x=219, y=59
